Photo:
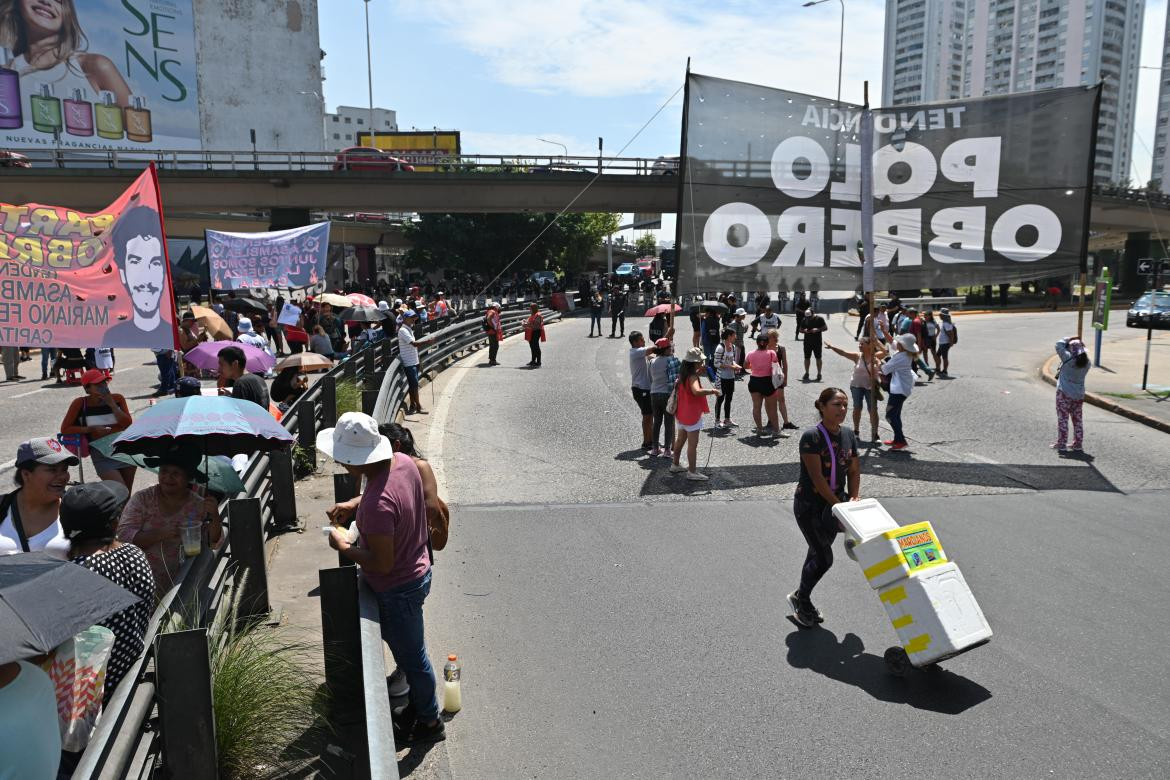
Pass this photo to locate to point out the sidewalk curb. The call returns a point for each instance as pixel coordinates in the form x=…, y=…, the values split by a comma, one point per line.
x=1048, y=374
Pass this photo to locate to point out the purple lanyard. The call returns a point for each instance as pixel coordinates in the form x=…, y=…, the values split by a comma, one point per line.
x=832, y=456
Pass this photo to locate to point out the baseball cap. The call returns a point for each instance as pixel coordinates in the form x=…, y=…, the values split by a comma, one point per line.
x=908, y=342
x=94, y=376
x=188, y=386
x=355, y=441
x=409, y=313
x=46, y=451
x=662, y=343
x=88, y=510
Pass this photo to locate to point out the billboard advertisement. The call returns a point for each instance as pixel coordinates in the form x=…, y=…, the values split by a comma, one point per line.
x=782, y=188
x=98, y=74
x=71, y=279
x=424, y=149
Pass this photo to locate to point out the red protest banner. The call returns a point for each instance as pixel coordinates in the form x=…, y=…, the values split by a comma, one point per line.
x=71, y=279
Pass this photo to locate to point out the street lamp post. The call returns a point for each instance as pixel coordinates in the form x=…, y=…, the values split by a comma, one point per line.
x=370, y=71
x=556, y=143
x=841, y=45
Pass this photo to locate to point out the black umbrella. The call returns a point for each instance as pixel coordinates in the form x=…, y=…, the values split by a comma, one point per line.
x=362, y=314
x=245, y=305
x=708, y=306
x=44, y=601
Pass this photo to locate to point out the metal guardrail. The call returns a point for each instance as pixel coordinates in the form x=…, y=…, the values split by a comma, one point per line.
x=136, y=728
x=249, y=160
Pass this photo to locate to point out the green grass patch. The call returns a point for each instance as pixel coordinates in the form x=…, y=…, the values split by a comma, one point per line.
x=1124, y=396
x=349, y=396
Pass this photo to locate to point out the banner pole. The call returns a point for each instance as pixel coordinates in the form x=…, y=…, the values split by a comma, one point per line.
x=682, y=171
x=162, y=223
x=1081, y=307
x=1089, y=202
x=867, y=250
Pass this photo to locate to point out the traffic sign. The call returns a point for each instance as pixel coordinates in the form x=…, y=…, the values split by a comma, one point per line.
x=1146, y=266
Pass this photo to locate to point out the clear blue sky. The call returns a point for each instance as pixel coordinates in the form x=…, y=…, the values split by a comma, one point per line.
x=572, y=70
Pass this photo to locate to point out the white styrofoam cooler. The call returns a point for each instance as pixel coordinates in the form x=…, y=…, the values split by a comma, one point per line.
x=935, y=614
x=863, y=520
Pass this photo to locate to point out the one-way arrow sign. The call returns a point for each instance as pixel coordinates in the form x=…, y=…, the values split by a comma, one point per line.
x=1146, y=266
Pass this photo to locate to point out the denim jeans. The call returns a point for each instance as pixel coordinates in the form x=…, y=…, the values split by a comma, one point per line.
x=167, y=372
x=894, y=415
x=595, y=319
x=401, y=612
x=658, y=405
x=48, y=356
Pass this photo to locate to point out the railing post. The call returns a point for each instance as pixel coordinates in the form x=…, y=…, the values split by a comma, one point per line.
x=186, y=718
x=369, y=401
x=344, y=488
x=307, y=427
x=328, y=387
x=284, y=497
x=246, y=533
x=386, y=346
x=369, y=361
x=340, y=632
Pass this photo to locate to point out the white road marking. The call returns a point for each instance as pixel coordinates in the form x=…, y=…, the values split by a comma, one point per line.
x=8, y=465
x=30, y=392
x=981, y=459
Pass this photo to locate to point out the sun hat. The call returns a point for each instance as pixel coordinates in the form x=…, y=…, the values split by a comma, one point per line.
x=88, y=510
x=46, y=451
x=694, y=355
x=94, y=376
x=663, y=343
x=355, y=441
x=383, y=306
x=908, y=343
x=245, y=325
x=740, y=313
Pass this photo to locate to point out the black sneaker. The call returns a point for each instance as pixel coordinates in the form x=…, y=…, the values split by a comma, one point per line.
x=802, y=611
x=423, y=734
x=789, y=426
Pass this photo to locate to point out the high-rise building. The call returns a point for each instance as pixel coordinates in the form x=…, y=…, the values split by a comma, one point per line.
x=952, y=49
x=923, y=51
x=1159, y=171
x=343, y=128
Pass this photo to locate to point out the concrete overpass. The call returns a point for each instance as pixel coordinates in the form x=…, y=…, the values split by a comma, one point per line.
x=237, y=182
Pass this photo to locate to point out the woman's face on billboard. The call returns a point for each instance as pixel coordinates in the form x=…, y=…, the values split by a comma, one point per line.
x=42, y=17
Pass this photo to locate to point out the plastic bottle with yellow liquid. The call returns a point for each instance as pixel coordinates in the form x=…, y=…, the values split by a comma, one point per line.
x=452, y=696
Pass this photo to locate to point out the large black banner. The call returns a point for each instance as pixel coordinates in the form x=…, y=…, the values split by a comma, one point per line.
x=978, y=191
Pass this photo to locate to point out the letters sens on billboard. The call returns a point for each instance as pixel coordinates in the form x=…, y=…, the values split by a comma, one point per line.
x=987, y=190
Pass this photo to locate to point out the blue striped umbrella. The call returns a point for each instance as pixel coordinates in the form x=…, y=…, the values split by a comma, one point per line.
x=210, y=425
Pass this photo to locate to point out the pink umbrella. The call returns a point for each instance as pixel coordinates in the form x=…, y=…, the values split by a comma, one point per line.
x=206, y=356
x=361, y=300
x=662, y=308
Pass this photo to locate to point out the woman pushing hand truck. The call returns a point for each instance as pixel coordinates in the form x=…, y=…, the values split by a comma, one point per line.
x=829, y=474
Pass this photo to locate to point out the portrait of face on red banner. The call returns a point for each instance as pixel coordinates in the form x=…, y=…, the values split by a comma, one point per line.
x=72, y=279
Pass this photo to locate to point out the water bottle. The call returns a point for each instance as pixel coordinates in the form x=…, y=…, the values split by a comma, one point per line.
x=452, y=697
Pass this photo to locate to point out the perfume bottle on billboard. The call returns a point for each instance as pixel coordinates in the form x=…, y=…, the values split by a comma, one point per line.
x=138, y=121
x=109, y=117
x=46, y=110
x=11, y=116
x=79, y=114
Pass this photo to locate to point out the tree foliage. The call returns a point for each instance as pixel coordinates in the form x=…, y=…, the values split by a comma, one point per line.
x=486, y=243
x=647, y=245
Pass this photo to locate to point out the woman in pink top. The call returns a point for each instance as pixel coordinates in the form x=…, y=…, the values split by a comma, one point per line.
x=781, y=403
x=692, y=405
x=760, y=385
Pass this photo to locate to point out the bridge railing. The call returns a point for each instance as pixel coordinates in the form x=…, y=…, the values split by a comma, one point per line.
x=243, y=161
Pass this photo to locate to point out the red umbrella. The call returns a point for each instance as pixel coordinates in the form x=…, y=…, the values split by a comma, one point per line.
x=663, y=308
x=361, y=300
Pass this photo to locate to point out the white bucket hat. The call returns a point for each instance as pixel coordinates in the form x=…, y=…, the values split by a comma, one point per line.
x=909, y=343
x=355, y=441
